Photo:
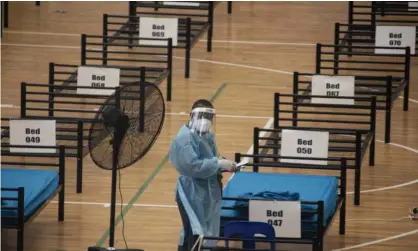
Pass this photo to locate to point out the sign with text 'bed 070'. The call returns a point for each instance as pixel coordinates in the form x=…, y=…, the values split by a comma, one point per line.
x=32, y=133
x=333, y=86
x=395, y=36
x=157, y=28
x=284, y=216
x=97, y=78
x=308, y=144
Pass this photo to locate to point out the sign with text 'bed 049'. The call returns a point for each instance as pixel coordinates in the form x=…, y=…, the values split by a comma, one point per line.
x=284, y=216
x=308, y=144
x=97, y=78
x=395, y=36
x=32, y=133
x=333, y=86
x=157, y=28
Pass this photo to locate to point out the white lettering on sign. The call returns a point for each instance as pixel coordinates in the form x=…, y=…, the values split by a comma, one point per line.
x=413, y=6
x=192, y=4
x=333, y=86
x=97, y=78
x=157, y=28
x=395, y=36
x=309, y=144
x=284, y=216
x=32, y=133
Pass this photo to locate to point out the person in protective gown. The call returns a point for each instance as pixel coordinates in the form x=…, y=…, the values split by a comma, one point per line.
x=199, y=188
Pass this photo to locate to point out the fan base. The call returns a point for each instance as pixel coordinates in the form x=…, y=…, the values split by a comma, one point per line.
x=113, y=249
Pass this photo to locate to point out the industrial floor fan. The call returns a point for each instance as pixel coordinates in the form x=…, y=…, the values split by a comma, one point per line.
x=123, y=131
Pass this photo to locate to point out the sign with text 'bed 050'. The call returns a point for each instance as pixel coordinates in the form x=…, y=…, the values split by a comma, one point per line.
x=97, y=78
x=157, y=28
x=333, y=86
x=395, y=36
x=32, y=133
x=284, y=216
x=308, y=144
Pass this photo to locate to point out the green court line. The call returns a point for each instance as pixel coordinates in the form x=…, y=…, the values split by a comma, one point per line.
x=148, y=181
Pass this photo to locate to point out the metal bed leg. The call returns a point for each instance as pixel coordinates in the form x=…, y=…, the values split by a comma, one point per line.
x=357, y=174
x=373, y=129
x=80, y=139
x=188, y=48
x=6, y=13
x=229, y=7
x=20, y=237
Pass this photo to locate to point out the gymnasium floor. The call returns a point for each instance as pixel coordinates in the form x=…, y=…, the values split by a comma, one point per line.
x=255, y=52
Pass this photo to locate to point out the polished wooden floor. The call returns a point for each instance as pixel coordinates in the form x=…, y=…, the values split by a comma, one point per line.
x=251, y=72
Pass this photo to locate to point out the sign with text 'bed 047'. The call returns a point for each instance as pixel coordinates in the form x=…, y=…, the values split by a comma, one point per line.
x=32, y=133
x=308, y=144
x=284, y=216
x=157, y=28
x=97, y=78
x=333, y=86
x=395, y=36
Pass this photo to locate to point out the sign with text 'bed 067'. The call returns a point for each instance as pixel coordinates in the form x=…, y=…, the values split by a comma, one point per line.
x=333, y=86
x=395, y=36
x=32, y=133
x=157, y=28
x=97, y=78
x=284, y=216
x=308, y=144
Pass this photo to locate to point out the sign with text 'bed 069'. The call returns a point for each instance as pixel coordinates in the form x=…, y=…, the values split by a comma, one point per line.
x=284, y=216
x=97, y=78
x=157, y=28
x=32, y=133
x=333, y=86
x=395, y=36
x=308, y=144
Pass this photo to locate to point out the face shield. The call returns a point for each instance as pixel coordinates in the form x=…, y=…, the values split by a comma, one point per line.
x=202, y=121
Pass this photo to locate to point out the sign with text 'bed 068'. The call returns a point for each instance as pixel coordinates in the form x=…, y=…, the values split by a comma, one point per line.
x=97, y=78
x=308, y=144
x=32, y=133
x=157, y=28
x=395, y=36
x=284, y=216
x=333, y=86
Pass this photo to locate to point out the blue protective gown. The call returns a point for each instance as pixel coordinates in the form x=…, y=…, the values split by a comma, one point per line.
x=198, y=187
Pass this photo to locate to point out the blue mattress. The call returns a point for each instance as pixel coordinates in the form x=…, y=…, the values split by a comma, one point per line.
x=39, y=186
x=309, y=187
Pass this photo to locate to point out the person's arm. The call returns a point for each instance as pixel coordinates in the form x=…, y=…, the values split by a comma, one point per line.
x=189, y=164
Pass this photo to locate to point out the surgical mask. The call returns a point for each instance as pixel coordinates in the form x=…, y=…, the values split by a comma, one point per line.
x=203, y=125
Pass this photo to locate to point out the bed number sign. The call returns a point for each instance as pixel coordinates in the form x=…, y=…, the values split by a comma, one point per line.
x=283, y=216
x=308, y=144
x=32, y=133
x=395, y=36
x=333, y=86
x=97, y=78
x=412, y=6
x=157, y=28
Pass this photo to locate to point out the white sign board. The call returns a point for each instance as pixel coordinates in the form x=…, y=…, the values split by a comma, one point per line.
x=284, y=216
x=97, y=78
x=32, y=133
x=157, y=28
x=333, y=86
x=413, y=6
x=395, y=36
x=192, y=4
x=309, y=144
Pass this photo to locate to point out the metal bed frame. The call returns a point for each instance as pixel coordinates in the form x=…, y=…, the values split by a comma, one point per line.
x=384, y=98
x=313, y=237
x=194, y=21
x=74, y=112
x=346, y=136
x=69, y=134
x=156, y=60
x=375, y=12
x=361, y=61
x=20, y=222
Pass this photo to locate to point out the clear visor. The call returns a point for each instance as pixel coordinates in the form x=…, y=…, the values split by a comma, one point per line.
x=202, y=121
